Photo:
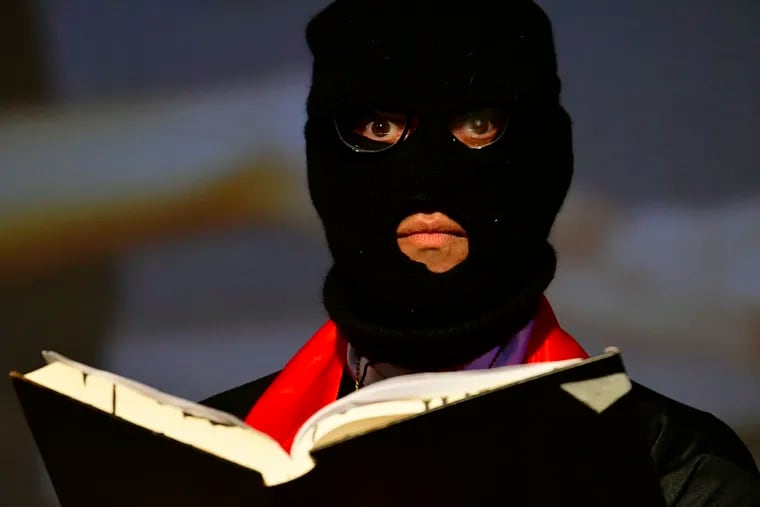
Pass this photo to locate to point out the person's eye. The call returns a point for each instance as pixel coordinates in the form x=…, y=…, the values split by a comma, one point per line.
x=368, y=129
x=382, y=127
x=479, y=128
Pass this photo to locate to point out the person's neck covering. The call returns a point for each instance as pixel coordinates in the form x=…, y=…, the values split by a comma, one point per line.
x=511, y=352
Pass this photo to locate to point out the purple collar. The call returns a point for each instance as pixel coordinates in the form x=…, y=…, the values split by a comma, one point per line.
x=512, y=352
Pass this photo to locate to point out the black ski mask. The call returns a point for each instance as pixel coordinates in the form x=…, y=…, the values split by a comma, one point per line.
x=430, y=63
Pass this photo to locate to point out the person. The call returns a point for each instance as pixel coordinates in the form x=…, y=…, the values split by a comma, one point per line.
x=438, y=156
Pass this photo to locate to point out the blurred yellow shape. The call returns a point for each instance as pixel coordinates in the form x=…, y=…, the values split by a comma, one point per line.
x=46, y=239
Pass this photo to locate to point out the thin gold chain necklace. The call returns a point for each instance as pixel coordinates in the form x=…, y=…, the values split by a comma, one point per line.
x=357, y=379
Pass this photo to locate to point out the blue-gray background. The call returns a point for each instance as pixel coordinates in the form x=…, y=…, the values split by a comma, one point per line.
x=659, y=243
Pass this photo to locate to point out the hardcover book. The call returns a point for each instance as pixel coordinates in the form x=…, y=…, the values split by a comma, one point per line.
x=542, y=434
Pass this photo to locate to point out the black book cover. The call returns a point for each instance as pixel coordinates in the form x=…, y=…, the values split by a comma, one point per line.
x=96, y=459
x=528, y=444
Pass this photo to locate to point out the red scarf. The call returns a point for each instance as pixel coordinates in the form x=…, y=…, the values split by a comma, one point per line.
x=311, y=379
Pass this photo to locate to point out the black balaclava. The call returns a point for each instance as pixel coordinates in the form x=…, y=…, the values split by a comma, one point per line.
x=435, y=59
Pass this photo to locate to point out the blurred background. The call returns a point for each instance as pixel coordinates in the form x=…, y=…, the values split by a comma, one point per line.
x=154, y=218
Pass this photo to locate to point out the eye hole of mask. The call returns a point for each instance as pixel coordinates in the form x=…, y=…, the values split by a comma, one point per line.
x=480, y=127
x=365, y=129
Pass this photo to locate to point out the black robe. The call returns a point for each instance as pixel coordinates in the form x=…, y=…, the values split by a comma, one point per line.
x=700, y=460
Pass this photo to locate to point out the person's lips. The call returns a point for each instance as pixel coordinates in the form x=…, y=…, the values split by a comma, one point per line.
x=434, y=240
x=429, y=230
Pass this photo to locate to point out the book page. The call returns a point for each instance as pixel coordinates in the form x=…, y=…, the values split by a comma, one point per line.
x=221, y=435
x=361, y=419
x=190, y=407
x=406, y=395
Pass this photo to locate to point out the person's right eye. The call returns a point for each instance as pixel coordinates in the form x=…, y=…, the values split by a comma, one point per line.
x=371, y=129
x=382, y=127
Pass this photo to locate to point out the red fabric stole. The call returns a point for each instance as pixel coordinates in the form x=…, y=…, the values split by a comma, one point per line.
x=310, y=380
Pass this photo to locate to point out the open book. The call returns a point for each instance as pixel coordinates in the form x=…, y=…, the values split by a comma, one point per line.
x=103, y=401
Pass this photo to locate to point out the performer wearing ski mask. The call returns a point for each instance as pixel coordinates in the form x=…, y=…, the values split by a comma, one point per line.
x=438, y=157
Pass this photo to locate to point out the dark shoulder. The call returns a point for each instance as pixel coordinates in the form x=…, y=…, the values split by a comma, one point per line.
x=675, y=429
x=696, y=455
x=239, y=400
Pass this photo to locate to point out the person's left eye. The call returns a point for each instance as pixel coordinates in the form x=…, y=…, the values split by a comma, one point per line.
x=479, y=128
